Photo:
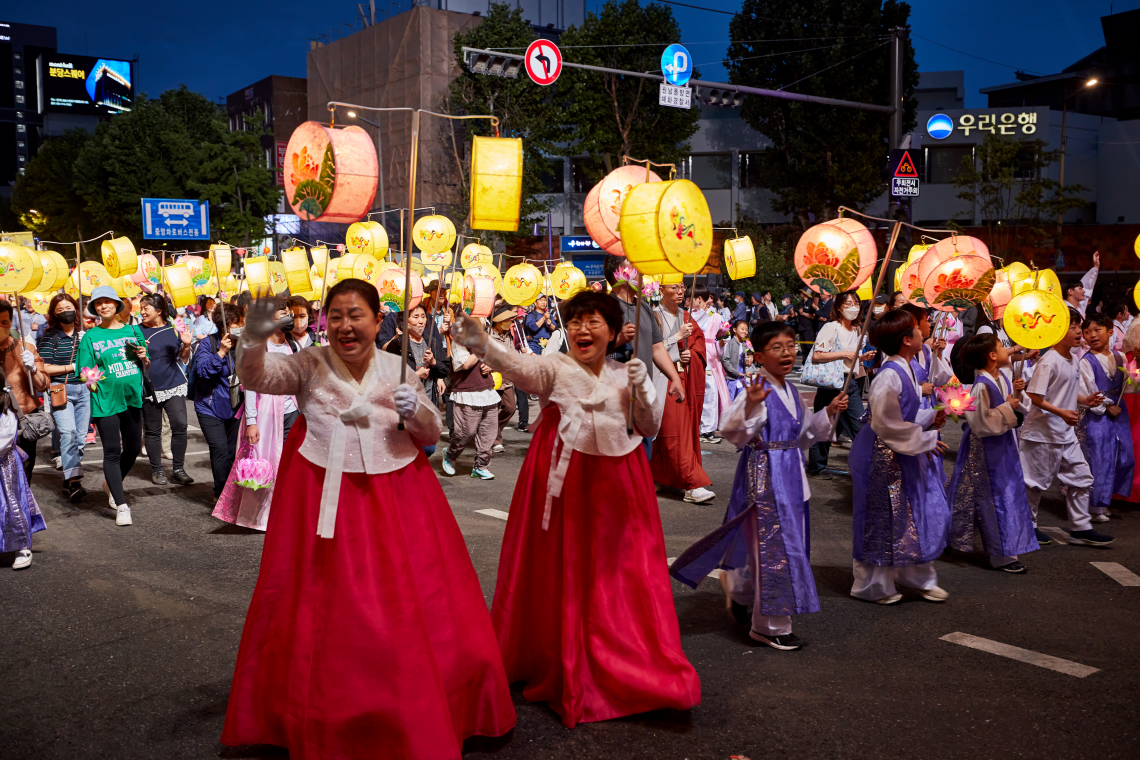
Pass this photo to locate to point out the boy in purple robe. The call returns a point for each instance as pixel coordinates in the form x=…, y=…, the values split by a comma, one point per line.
x=901, y=519
x=763, y=547
x=987, y=490
x=1105, y=431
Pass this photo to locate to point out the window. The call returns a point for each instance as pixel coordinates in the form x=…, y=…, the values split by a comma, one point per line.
x=585, y=173
x=19, y=71
x=750, y=170
x=20, y=99
x=551, y=176
x=709, y=172
x=19, y=84
x=944, y=164
x=20, y=128
x=21, y=144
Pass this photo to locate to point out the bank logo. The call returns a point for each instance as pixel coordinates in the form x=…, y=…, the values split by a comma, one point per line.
x=940, y=126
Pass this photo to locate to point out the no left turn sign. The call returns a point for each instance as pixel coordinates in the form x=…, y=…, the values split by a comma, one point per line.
x=543, y=61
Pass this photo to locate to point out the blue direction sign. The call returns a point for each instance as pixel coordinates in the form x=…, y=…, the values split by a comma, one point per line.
x=676, y=65
x=175, y=219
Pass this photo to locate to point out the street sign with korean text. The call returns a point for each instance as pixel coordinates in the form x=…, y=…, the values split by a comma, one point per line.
x=543, y=61
x=904, y=173
x=678, y=97
x=676, y=65
x=175, y=219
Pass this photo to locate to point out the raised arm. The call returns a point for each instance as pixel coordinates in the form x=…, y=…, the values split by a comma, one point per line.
x=534, y=374
x=260, y=371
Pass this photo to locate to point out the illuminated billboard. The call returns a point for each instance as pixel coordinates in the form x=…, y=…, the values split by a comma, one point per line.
x=84, y=85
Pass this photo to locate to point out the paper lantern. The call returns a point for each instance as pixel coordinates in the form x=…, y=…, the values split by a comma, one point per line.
x=230, y=286
x=911, y=287
x=496, y=183
x=865, y=292
x=330, y=174
x=998, y=298
x=1016, y=268
x=91, y=275
x=179, y=286
x=18, y=268
x=257, y=276
x=148, y=270
x=223, y=258
x=320, y=256
x=1036, y=319
x=296, y=264
x=667, y=228
x=959, y=283
x=54, y=273
x=1044, y=279
x=367, y=237
x=40, y=300
x=201, y=271
x=359, y=266
x=602, y=209
x=434, y=234
x=566, y=280
x=278, y=282
x=392, y=291
x=71, y=288
x=498, y=378
x=474, y=253
x=951, y=247
x=864, y=242
x=329, y=278
x=916, y=253
x=478, y=295
x=522, y=285
x=739, y=258
x=119, y=256
x=1136, y=245
x=828, y=259
x=898, y=277
x=1048, y=280
x=488, y=270
x=125, y=287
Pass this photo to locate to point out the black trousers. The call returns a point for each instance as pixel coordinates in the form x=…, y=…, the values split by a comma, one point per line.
x=222, y=438
x=848, y=422
x=523, y=405
x=175, y=409
x=290, y=418
x=29, y=448
x=121, y=435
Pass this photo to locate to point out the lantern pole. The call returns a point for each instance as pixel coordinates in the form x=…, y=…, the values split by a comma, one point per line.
x=636, y=340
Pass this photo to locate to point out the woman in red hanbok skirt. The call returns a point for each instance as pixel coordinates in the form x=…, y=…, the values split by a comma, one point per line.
x=368, y=635
x=583, y=605
x=1131, y=402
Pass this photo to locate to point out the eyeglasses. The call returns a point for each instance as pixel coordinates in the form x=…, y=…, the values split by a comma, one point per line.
x=574, y=325
x=782, y=350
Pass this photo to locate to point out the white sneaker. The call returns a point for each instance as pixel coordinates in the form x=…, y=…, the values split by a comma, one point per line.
x=110, y=498
x=1100, y=517
x=122, y=515
x=23, y=559
x=58, y=462
x=498, y=448
x=448, y=467
x=699, y=496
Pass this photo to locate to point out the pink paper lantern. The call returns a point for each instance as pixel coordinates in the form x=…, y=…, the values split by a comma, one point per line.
x=1000, y=295
x=478, y=295
x=828, y=259
x=951, y=247
x=911, y=286
x=602, y=209
x=148, y=271
x=959, y=283
x=865, y=242
x=330, y=173
x=391, y=288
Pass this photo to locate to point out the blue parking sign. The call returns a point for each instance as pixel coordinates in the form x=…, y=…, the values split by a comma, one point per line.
x=175, y=219
x=676, y=65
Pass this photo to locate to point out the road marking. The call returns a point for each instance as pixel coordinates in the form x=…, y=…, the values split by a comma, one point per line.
x=1118, y=573
x=496, y=513
x=50, y=466
x=1022, y=655
x=1057, y=535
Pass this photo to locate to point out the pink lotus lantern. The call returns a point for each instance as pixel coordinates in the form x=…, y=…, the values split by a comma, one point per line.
x=955, y=401
x=864, y=241
x=602, y=208
x=330, y=173
x=911, y=287
x=91, y=377
x=829, y=260
x=1000, y=295
x=254, y=473
x=1132, y=372
x=478, y=295
x=148, y=270
x=952, y=247
x=391, y=288
x=958, y=283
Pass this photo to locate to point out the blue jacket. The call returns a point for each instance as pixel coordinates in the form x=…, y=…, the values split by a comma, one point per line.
x=739, y=312
x=212, y=389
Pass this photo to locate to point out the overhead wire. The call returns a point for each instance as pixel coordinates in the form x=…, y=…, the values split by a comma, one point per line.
x=978, y=57
x=832, y=66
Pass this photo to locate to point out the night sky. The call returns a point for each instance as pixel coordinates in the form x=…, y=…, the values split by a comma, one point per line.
x=217, y=47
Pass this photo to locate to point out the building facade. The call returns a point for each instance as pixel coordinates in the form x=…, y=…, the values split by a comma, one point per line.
x=21, y=123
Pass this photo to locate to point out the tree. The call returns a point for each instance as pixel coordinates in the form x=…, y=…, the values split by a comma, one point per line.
x=614, y=115
x=241, y=190
x=822, y=157
x=1017, y=205
x=45, y=197
x=774, y=248
x=524, y=110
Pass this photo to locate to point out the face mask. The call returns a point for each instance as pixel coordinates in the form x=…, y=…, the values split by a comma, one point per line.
x=66, y=317
x=851, y=312
x=4, y=333
x=288, y=326
x=878, y=310
x=235, y=331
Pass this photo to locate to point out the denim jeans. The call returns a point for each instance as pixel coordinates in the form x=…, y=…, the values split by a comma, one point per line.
x=72, y=421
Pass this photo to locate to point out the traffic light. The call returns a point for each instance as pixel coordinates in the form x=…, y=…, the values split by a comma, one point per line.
x=495, y=65
x=726, y=98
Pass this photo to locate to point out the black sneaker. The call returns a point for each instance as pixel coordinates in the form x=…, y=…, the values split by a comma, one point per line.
x=158, y=477
x=181, y=478
x=522, y=429
x=1042, y=538
x=1013, y=567
x=785, y=643
x=1089, y=538
x=737, y=612
x=75, y=491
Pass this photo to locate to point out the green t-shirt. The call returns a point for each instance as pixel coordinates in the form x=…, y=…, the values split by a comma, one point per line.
x=121, y=386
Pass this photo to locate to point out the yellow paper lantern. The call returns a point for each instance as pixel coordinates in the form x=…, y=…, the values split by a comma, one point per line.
x=474, y=253
x=959, y=283
x=601, y=211
x=54, y=271
x=119, y=256
x=566, y=280
x=899, y=276
x=828, y=259
x=739, y=258
x=1016, y=268
x=1048, y=280
x=320, y=256
x=19, y=268
x=359, y=266
x=179, y=286
x=433, y=234
x=864, y=242
x=1036, y=319
x=91, y=275
x=278, y=282
x=223, y=257
x=1136, y=245
x=522, y=284
x=71, y=288
x=496, y=183
x=666, y=228
x=488, y=270
x=296, y=264
x=330, y=173
x=865, y=291
x=257, y=276
x=498, y=378
x=392, y=291
x=40, y=300
x=125, y=287
x=230, y=286
x=367, y=237
x=916, y=253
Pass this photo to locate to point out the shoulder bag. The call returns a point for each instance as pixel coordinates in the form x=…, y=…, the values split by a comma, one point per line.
x=828, y=375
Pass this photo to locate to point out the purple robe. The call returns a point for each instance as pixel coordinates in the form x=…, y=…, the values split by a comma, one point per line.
x=987, y=490
x=769, y=481
x=20, y=516
x=901, y=516
x=922, y=374
x=1107, y=442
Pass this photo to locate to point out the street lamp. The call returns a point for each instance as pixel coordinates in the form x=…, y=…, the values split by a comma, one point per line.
x=1061, y=179
x=379, y=154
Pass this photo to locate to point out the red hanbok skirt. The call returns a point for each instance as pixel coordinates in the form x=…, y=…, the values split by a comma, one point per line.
x=376, y=643
x=1132, y=404
x=584, y=611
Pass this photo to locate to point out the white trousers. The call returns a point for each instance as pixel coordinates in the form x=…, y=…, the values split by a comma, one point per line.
x=744, y=591
x=873, y=582
x=1042, y=462
x=710, y=412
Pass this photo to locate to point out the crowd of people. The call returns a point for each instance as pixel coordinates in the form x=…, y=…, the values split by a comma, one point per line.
x=364, y=607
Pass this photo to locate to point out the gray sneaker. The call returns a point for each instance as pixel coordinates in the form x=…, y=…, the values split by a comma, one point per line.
x=158, y=477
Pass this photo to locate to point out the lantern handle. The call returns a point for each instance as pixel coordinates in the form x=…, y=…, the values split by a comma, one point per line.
x=891, y=221
x=648, y=165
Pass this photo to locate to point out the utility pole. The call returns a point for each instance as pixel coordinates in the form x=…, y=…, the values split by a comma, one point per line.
x=897, y=208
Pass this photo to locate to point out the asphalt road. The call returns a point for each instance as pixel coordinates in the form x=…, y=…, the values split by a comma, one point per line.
x=120, y=642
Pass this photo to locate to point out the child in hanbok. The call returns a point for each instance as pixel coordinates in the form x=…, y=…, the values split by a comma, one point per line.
x=732, y=359
x=763, y=545
x=716, y=388
x=987, y=490
x=1105, y=430
x=583, y=606
x=901, y=517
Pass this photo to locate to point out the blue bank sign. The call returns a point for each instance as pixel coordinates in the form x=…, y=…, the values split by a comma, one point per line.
x=175, y=219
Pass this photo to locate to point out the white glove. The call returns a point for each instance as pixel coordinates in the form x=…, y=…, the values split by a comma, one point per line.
x=406, y=400
x=469, y=332
x=260, y=322
x=29, y=359
x=638, y=374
